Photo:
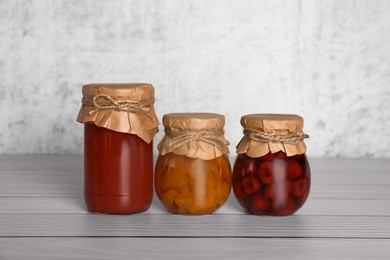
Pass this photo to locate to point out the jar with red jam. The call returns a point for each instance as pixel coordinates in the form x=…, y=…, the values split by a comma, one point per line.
x=193, y=173
x=119, y=126
x=271, y=174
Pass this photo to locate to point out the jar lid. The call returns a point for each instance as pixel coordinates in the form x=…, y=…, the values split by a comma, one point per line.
x=265, y=133
x=273, y=122
x=196, y=135
x=193, y=121
x=125, y=107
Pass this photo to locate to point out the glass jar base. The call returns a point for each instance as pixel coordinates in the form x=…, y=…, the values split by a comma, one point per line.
x=197, y=213
x=274, y=213
x=115, y=205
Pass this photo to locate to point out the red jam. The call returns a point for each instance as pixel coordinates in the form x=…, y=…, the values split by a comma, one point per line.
x=118, y=171
x=274, y=184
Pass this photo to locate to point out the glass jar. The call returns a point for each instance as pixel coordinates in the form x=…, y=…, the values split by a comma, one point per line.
x=193, y=173
x=271, y=174
x=120, y=123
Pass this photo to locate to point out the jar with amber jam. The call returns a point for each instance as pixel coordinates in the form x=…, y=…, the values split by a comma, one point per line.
x=193, y=173
x=271, y=174
x=119, y=126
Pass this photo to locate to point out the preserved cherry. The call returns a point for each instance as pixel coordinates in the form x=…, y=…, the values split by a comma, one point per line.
x=271, y=174
x=192, y=186
x=281, y=186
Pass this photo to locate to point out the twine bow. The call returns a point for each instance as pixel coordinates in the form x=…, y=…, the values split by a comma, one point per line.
x=276, y=136
x=179, y=139
x=106, y=102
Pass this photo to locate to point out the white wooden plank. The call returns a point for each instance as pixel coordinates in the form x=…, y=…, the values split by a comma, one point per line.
x=40, y=162
x=334, y=178
x=313, y=207
x=61, y=183
x=46, y=184
x=41, y=196
x=362, y=192
x=350, y=165
x=194, y=226
x=76, y=177
x=41, y=184
x=192, y=248
x=75, y=163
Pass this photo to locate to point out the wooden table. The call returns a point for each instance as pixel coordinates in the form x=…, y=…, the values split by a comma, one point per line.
x=42, y=216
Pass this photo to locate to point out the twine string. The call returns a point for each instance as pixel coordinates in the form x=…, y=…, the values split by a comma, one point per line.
x=179, y=139
x=106, y=102
x=276, y=136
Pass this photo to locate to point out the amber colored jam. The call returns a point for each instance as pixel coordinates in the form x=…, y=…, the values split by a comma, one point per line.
x=192, y=186
x=118, y=171
x=273, y=184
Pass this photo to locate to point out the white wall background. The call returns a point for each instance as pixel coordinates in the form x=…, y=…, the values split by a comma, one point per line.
x=328, y=61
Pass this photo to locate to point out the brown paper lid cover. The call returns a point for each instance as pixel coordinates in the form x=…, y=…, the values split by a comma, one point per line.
x=196, y=135
x=126, y=108
x=264, y=133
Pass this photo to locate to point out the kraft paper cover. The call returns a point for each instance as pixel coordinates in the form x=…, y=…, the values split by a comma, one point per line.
x=179, y=127
x=271, y=123
x=143, y=123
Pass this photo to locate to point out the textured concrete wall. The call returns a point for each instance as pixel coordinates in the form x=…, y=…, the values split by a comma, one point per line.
x=328, y=61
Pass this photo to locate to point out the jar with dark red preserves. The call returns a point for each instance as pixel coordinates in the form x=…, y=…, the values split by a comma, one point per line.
x=193, y=173
x=119, y=126
x=271, y=174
